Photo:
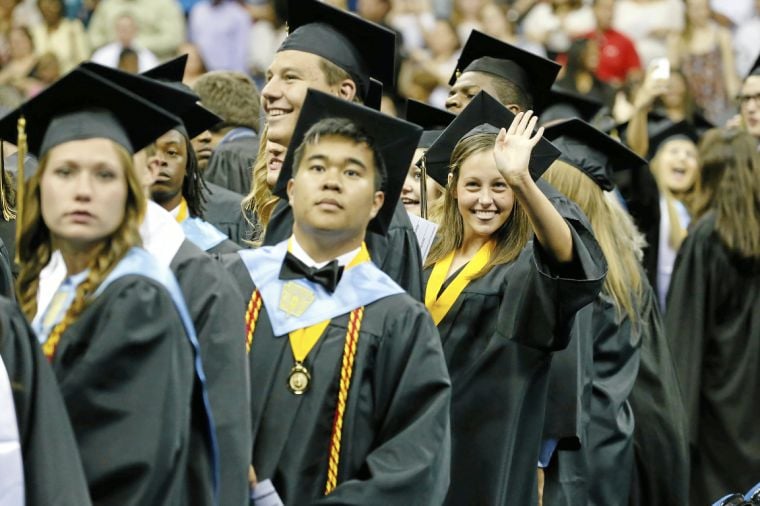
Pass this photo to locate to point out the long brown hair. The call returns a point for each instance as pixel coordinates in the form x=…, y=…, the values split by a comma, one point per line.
x=510, y=238
x=35, y=243
x=260, y=202
x=714, y=152
x=621, y=242
x=737, y=198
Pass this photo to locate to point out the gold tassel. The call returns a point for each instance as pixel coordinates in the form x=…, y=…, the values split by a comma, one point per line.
x=20, y=184
x=423, y=189
x=9, y=214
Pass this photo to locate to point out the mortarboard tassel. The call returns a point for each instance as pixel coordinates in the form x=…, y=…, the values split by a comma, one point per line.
x=21, y=154
x=423, y=189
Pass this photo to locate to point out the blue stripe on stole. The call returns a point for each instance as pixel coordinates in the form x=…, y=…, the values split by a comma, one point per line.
x=202, y=233
x=140, y=262
x=359, y=286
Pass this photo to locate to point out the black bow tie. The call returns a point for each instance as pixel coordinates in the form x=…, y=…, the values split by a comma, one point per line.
x=327, y=276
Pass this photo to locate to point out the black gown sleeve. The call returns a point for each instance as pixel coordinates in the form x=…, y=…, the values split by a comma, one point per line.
x=125, y=369
x=53, y=473
x=411, y=406
x=6, y=275
x=222, y=209
x=231, y=163
x=217, y=308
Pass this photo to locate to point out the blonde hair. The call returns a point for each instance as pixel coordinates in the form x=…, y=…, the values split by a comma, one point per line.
x=35, y=243
x=615, y=231
x=260, y=201
x=511, y=238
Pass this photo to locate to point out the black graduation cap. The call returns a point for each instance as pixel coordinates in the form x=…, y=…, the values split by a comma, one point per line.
x=483, y=114
x=432, y=119
x=755, y=70
x=595, y=153
x=562, y=103
x=170, y=95
x=395, y=139
x=83, y=105
x=374, y=98
x=360, y=47
x=172, y=70
x=532, y=73
x=671, y=131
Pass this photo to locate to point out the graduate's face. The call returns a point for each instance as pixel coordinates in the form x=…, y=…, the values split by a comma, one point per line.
x=411, y=191
x=291, y=74
x=677, y=165
x=749, y=99
x=170, y=159
x=466, y=87
x=483, y=197
x=203, y=146
x=83, y=192
x=275, y=155
x=333, y=190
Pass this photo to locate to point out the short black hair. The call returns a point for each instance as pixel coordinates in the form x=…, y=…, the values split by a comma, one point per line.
x=508, y=92
x=346, y=128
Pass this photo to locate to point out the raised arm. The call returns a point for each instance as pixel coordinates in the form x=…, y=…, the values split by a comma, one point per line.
x=512, y=155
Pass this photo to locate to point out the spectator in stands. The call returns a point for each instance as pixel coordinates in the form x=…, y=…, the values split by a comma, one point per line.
x=161, y=25
x=195, y=66
x=747, y=41
x=64, y=37
x=555, y=23
x=220, y=29
x=618, y=59
x=580, y=72
x=703, y=52
x=23, y=59
x=127, y=37
x=648, y=23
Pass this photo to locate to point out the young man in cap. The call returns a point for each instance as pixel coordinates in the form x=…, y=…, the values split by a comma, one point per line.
x=350, y=393
x=335, y=52
x=749, y=101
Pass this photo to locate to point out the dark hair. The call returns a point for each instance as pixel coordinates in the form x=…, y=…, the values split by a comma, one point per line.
x=193, y=186
x=343, y=128
x=508, y=92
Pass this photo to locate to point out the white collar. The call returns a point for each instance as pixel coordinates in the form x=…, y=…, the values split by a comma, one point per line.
x=161, y=234
x=301, y=254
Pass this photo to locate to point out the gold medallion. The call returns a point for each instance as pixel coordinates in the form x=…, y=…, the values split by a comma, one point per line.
x=295, y=299
x=299, y=379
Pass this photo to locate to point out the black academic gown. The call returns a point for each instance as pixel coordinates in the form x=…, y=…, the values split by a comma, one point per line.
x=713, y=324
x=395, y=447
x=222, y=209
x=6, y=275
x=661, y=471
x=216, y=308
x=498, y=339
x=8, y=236
x=53, y=474
x=397, y=253
x=125, y=369
x=231, y=163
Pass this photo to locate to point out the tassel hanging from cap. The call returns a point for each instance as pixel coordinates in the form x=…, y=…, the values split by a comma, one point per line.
x=21, y=154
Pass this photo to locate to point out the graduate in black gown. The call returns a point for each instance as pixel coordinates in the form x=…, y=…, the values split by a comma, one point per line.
x=214, y=303
x=636, y=446
x=349, y=389
x=52, y=470
x=713, y=324
x=335, y=52
x=502, y=302
x=117, y=333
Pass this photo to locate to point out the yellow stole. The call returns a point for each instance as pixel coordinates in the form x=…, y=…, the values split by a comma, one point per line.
x=182, y=214
x=440, y=306
x=303, y=340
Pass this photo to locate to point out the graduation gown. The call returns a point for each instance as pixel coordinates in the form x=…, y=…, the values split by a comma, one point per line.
x=216, y=308
x=206, y=236
x=231, y=163
x=713, y=324
x=661, y=471
x=125, y=370
x=8, y=236
x=498, y=338
x=397, y=253
x=6, y=275
x=395, y=447
x=53, y=474
x=222, y=209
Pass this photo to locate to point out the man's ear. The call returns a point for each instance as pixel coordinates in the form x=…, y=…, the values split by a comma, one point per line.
x=514, y=108
x=291, y=190
x=347, y=89
x=377, y=204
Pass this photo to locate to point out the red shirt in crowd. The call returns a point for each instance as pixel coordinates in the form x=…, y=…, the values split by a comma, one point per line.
x=617, y=56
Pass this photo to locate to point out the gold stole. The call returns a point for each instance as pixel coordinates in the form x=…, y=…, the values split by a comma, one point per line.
x=440, y=306
x=182, y=214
